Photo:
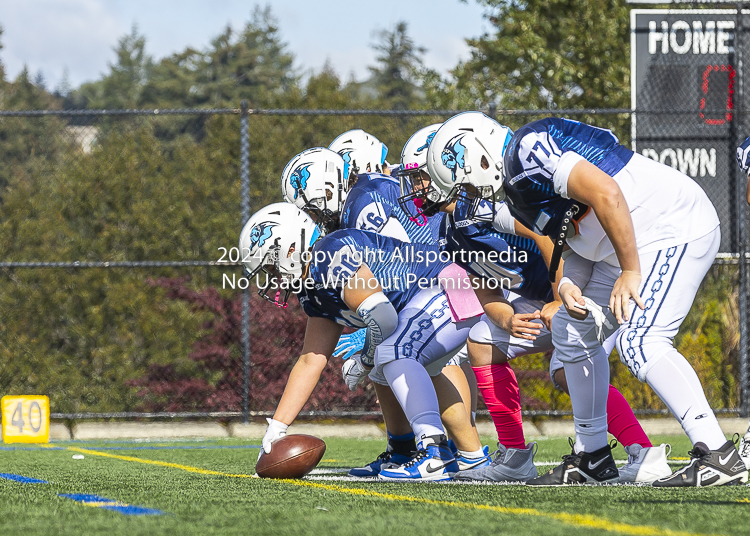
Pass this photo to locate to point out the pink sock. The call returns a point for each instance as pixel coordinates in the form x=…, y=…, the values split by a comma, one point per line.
x=499, y=388
x=621, y=422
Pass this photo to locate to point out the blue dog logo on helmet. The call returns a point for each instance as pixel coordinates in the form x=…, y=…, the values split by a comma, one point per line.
x=453, y=155
x=260, y=233
x=299, y=177
x=427, y=142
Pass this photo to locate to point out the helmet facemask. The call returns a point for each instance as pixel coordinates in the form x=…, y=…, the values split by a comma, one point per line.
x=419, y=198
x=272, y=246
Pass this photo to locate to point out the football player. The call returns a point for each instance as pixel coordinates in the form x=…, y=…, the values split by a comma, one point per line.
x=360, y=279
x=346, y=189
x=743, y=160
x=500, y=253
x=649, y=234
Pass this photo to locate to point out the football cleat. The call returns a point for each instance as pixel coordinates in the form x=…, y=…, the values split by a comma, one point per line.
x=645, y=464
x=507, y=465
x=708, y=468
x=744, y=449
x=386, y=460
x=593, y=468
x=434, y=462
x=465, y=463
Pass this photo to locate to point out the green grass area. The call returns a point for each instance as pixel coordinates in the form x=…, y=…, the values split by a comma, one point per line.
x=200, y=488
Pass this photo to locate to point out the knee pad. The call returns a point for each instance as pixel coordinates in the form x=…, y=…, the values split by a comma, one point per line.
x=376, y=376
x=481, y=332
x=574, y=340
x=639, y=350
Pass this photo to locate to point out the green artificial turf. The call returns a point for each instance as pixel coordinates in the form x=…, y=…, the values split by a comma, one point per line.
x=227, y=503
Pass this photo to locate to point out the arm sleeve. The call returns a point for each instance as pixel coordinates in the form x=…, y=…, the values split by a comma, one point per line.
x=577, y=269
x=381, y=318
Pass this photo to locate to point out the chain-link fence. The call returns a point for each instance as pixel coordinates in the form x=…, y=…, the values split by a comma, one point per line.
x=121, y=295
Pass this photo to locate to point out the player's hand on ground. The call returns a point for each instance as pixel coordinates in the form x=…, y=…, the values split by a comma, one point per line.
x=548, y=311
x=626, y=288
x=350, y=344
x=573, y=301
x=743, y=155
x=354, y=372
x=522, y=325
x=276, y=430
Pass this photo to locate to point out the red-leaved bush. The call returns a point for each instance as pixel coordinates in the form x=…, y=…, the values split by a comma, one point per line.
x=215, y=383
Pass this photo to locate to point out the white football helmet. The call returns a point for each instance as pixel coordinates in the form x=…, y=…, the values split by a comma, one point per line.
x=468, y=149
x=413, y=163
x=315, y=181
x=362, y=152
x=276, y=240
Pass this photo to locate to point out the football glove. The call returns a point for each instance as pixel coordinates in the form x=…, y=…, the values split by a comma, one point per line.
x=350, y=344
x=600, y=319
x=743, y=155
x=354, y=372
x=276, y=430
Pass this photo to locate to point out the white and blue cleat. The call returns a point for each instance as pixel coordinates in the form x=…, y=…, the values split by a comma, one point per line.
x=387, y=460
x=434, y=462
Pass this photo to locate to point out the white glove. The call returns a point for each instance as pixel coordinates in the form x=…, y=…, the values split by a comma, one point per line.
x=276, y=430
x=600, y=319
x=354, y=372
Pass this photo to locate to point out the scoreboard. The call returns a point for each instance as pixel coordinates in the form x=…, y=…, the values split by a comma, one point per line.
x=685, y=78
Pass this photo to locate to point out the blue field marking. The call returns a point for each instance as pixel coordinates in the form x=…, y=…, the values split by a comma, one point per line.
x=109, y=504
x=22, y=479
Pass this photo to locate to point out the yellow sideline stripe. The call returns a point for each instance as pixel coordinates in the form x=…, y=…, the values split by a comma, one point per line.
x=578, y=520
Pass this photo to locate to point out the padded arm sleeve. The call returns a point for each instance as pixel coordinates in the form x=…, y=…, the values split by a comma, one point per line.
x=381, y=319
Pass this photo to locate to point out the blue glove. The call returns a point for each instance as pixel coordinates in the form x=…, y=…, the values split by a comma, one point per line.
x=743, y=155
x=350, y=344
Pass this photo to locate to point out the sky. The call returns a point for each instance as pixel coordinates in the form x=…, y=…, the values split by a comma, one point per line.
x=52, y=36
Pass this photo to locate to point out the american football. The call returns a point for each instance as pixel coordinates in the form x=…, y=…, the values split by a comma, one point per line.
x=292, y=456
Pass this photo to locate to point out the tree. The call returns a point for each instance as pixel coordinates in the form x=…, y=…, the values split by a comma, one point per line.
x=251, y=65
x=123, y=86
x=395, y=76
x=550, y=54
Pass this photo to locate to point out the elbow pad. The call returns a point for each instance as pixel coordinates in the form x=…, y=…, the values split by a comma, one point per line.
x=381, y=319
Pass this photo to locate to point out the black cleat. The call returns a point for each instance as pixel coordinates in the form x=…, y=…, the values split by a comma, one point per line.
x=722, y=467
x=593, y=468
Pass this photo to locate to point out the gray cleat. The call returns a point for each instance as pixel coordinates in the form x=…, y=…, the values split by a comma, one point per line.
x=507, y=465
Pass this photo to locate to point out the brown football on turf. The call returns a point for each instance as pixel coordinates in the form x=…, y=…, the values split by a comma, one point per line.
x=292, y=456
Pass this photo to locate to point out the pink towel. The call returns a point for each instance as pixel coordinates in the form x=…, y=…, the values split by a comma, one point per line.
x=457, y=286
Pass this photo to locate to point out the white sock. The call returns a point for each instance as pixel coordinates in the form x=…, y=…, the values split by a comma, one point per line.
x=413, y=388
x=677, y=384
x=588, y=381
x=471, y=454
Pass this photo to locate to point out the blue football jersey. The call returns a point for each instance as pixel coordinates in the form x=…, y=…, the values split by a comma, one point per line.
x=484, y=252
x=531, y=160
x=402, y=270
x=373, y=200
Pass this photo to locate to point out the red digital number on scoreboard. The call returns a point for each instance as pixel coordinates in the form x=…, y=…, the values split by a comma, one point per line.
x=714, y=101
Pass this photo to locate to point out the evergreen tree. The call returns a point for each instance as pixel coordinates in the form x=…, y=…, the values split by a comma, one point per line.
x=395, y=76
x=550, y=54
x=123, y=86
